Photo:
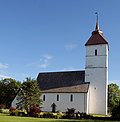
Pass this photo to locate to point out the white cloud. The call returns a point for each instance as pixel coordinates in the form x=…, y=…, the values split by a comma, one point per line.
x=70, y=46
x=44, y=65
x=47, y=57
x=45, y=61
x=3, y=66
x=69, y=69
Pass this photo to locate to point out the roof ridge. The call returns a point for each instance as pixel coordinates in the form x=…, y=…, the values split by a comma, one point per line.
x=62, y=71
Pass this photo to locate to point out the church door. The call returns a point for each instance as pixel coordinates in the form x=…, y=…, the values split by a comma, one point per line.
x=53, y=107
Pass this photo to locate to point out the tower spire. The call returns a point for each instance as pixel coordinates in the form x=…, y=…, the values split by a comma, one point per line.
x=97, y=25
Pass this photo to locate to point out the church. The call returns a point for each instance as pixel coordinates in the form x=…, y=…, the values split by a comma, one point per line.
x=84, y=90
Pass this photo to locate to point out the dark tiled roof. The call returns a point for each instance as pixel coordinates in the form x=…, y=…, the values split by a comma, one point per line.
x=83, y=88
x=53, y=80
x=96, y=38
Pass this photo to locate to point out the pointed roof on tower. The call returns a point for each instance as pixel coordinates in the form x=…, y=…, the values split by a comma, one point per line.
x=97, y=36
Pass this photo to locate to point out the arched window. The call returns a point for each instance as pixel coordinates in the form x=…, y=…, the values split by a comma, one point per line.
x=57, y=97
x=43, y=97
x=71, y=98
x=95, y=52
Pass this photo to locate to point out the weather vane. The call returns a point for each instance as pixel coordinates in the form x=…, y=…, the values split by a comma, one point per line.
x=96, y=16
x=97, y=26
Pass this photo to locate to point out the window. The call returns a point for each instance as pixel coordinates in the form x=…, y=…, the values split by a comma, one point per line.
x=43, y=97
x=95, y=52
x=57, y=97
x=71, y=98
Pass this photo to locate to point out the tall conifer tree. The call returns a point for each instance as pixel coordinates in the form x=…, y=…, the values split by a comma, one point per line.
x=29, y=94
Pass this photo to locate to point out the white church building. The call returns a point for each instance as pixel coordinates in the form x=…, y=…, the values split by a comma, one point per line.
x=85, y=91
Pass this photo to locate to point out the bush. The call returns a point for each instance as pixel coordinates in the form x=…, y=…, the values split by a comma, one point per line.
x=51, y=115
x=12, y=111
x=58, y=115
x=2, y=106
x=70, y=113
x=21, y=113
x=41, y=114
x=116, y=112
x=4, y=111
x=48, y=115
x=34, y=111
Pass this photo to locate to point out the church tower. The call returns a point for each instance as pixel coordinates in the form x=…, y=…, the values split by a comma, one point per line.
x=96, y=71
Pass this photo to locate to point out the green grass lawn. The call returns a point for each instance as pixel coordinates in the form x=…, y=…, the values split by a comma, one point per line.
x=7, y=118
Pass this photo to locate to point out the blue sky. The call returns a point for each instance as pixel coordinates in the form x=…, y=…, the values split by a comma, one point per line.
x=49, y=35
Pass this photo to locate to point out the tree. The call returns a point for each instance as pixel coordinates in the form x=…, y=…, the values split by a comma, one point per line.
x=8, y=90
x=116, y=112
x=29, y=94
x=113, y=96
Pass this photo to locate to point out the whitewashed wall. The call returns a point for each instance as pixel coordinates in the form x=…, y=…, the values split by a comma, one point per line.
x=13, y=104
x=101, y=60
x=79, y=101
x=96, y=72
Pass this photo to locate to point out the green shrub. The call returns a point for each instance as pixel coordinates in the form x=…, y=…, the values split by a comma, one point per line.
x=116, y=112
x=70, y=113
x=21, y=113
x=41, y=114
x=55, y=115
x=4, y=111
x=48, y=115
x=2, y=106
